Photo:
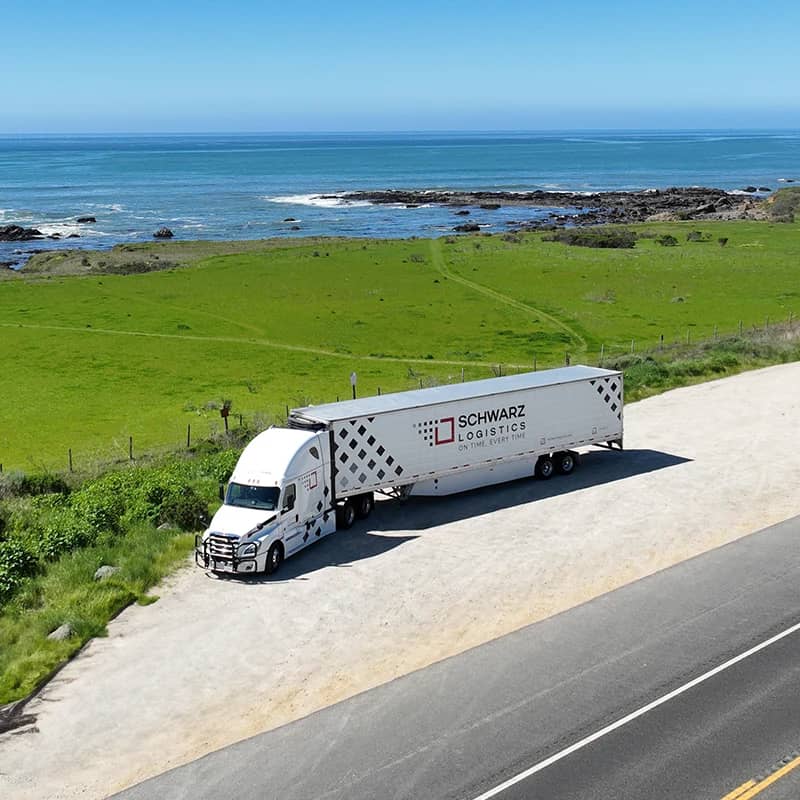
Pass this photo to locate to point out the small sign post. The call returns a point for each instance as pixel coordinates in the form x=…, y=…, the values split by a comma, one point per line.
x=353, y=381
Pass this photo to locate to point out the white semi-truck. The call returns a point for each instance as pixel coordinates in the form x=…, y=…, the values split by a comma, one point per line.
x=294, y=485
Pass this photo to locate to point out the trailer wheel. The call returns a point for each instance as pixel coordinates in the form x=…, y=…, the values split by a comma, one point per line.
x=565, y=463
x=364, y=504
x=544, y=468
x=346, y=514
x=274, y=558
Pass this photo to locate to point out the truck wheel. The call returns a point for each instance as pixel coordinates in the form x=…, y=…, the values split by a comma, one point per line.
x=565, y=463
x=346, y=515
x=544, y=468
x=274, y=558
x=364, y=504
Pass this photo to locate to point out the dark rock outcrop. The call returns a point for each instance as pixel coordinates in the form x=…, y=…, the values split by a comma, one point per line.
x=462, y=213
x=585, y=209
x=86, y=220
x=467, y=227
x=16, y=233
x=163, y=233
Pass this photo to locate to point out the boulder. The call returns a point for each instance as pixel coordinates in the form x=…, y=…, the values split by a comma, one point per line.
x=295, y=228
x=86, y=220
x=290, y=219
x=61, y=633
x=106, y=571
x=16, y=233
x=462, y=213
x=490, y=206
x=468, y=227
x=7, y=264
x=163, y=233
x=764, y=189
x=750, y=189
x=74, y=236
x=708, y=208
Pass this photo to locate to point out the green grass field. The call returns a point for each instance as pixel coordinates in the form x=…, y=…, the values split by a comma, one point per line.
x=89, y=360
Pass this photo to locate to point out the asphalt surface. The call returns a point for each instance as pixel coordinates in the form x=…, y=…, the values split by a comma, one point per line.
x=466, y=724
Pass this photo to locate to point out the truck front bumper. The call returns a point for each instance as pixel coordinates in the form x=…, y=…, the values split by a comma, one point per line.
x=221, y=554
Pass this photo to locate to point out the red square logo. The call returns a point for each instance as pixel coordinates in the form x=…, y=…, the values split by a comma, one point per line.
x=445, y=431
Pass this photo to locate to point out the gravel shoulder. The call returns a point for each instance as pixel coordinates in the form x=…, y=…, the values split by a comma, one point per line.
x=215, y=661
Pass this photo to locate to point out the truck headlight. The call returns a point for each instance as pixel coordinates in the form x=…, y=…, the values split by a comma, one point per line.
x=248, y=550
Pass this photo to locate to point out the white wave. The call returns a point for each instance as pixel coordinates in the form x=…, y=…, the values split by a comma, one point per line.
x=114, y=208
x=328, y=201
x=63, y=229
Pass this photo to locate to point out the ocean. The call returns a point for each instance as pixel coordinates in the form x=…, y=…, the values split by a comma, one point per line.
x=247, y=186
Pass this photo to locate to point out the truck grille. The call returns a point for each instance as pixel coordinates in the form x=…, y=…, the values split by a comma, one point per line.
x=221, y=547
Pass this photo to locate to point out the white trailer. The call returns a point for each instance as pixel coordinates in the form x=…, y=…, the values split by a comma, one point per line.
x=294, y=485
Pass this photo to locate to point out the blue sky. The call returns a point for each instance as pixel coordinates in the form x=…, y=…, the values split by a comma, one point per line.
x=324, y=66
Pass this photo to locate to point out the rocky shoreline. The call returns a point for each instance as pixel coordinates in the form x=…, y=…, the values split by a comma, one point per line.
x=575, y=208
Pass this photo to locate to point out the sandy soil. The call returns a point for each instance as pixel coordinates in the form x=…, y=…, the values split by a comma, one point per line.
x=218, y=660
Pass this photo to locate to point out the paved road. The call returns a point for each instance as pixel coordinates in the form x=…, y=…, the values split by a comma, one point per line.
x=463, y=726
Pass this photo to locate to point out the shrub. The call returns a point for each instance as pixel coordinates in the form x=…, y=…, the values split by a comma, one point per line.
x=19, y=484
x=784, y=203
x=723, y=240
x=697, y=236
x=186, y=509
x=593, y=237
x=667, y=240
x=16, y=564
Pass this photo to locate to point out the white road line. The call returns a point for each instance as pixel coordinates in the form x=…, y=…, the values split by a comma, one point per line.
x=632, y=716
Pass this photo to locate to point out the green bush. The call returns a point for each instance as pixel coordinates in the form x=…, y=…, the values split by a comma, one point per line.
x=16, y=564
x=667, y=240
x=20, y=484
x=593, y=237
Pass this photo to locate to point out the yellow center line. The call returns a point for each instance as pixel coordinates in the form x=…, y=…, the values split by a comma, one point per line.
x=750, y=789
x=736, y=792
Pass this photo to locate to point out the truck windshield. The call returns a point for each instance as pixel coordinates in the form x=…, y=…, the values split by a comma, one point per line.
x=263, y=497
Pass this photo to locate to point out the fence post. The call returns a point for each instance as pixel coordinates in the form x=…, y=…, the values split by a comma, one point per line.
x=189, y=436
x=566, y=358
x=715, y=331
x=130, y=448
x=70, y=459
x=379, y=391
x=602, y=353
x=661, y=342
x=534, y=362
x=740, y=327
x=633, y=345
x=462, y=374
x=766, y=323
x=687, y=336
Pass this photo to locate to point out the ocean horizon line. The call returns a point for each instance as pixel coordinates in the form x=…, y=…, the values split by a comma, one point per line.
x=407, y=132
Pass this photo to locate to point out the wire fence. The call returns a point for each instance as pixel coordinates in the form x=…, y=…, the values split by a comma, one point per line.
x=233, y=428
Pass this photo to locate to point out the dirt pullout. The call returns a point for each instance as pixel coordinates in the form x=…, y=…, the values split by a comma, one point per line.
x=217, y=660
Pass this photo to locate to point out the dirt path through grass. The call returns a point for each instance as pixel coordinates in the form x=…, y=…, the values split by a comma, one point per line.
x=441, y=266
x=255, y=343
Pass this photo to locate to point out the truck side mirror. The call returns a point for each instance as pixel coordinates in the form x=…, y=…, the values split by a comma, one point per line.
x=289, y=497
x=222, y=492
